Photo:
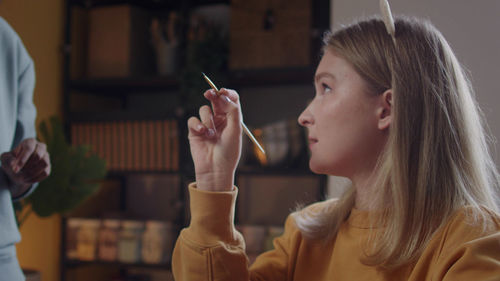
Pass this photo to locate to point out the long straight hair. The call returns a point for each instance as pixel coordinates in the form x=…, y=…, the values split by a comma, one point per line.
x=436, y=160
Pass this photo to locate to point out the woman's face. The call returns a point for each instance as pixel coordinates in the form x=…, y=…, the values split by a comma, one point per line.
x=342, y=121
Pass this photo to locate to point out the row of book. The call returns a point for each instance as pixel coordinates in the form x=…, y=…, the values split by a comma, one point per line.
x=131, y=145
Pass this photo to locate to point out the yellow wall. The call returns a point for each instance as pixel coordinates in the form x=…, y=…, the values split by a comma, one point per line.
x=40, y=26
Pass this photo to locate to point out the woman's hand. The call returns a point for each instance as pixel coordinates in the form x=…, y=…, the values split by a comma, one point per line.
x=215, y=140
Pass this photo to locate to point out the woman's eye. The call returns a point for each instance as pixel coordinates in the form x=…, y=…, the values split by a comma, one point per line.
x=325, y=88
x=322, y=88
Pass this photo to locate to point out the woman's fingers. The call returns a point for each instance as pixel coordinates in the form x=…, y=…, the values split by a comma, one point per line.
x=196, y=128
x=210, y=94
x=225, y=107
x=207, y=119
x=231, y=94
x=225, y=103
x=231, y=98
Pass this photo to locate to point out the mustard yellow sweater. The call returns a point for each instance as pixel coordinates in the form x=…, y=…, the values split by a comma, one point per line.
x=211, y=249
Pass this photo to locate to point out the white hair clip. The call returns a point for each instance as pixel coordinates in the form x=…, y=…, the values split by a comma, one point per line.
x=388, y=19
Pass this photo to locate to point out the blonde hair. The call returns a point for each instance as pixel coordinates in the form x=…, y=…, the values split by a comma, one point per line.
x=436, y=160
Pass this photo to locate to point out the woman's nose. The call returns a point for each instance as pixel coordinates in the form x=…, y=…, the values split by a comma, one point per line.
x=305, y=118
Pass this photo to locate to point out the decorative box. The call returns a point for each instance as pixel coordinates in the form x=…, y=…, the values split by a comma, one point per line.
x=119, y=43
x=270, y=34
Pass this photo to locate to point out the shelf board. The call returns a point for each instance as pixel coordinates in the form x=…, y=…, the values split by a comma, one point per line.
x=148, y=4
x=119, y=86
x=77, y=263
x=277, y=171
x=119, y=174
x=162, y=84
x=271, y=77
x=118, y=115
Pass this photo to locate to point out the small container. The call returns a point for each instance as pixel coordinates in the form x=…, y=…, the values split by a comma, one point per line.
x=108, y=240
x=72, y=227
x=157, y=242
x=87, y=239
x=129, y=243
x=255, y=236
x=273, y=232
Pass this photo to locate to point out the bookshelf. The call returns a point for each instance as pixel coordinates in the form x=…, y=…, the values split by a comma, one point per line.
x=137, y=122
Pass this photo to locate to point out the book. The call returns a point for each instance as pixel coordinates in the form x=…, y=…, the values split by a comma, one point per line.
x=166, y=145
x=115, y=143
x=159, y=145
x=129, y=141
x=137, y=150
x=174, y=136
x=151, y=145
x=122, y=146
x=144, y=145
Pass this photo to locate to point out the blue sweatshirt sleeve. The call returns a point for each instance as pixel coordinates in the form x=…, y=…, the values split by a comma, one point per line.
x=17, y=85
x=25, y=123
x=17, y=120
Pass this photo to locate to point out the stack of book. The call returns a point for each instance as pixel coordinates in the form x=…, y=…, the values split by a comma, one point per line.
x=131, y=145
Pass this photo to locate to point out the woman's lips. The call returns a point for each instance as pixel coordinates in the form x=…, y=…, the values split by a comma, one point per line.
x=312, y=141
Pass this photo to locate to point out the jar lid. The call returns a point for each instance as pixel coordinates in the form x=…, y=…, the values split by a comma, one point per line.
x=90, y=222
x=276, y=230
x=131, y=224
x=111, y=223
x=74, y=222
x=151, y=224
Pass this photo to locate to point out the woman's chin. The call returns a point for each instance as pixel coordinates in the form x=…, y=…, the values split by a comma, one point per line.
x=317, y=169
x=331, y=169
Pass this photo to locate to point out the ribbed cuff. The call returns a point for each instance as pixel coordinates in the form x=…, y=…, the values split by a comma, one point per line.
x=5, y=181
x=212, y=216
x=26, y=193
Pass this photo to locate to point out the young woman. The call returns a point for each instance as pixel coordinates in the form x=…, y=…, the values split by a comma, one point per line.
x=399, y=119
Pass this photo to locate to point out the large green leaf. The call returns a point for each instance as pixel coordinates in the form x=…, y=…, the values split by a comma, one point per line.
x=75, y=173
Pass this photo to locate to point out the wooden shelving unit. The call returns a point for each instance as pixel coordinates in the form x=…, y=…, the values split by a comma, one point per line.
x=123, y=88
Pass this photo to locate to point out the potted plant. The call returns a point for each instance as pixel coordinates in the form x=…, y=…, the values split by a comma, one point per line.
x=206, y=51
x=75, y=176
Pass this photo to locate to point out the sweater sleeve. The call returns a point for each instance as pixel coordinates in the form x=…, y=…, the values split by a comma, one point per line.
x=26, y=110
x=277, y=264
x=470, y=252
x=211, y=249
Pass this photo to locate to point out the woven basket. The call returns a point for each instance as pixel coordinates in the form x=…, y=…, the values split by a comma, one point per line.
x=286, y=44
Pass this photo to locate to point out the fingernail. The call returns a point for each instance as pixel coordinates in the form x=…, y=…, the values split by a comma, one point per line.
x=213, y=93
x=211, y=132
x=199, y=128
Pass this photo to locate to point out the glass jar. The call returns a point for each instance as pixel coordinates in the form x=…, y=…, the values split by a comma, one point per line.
x=273, y=232
x=129, y=243
x=108, y=240
x=72, y=227
x=87, y=239
x=254, y=238
x=157, y=242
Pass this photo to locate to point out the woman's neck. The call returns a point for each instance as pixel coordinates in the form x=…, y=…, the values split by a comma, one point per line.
x=366, y=195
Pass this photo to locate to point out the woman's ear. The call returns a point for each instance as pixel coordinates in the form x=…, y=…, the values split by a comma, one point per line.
x=385, y=110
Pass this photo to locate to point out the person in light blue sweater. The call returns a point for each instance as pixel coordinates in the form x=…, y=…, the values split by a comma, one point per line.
x=24, y=160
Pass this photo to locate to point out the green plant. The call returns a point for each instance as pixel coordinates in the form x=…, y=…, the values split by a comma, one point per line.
x=75, y=175
x=207, y=52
